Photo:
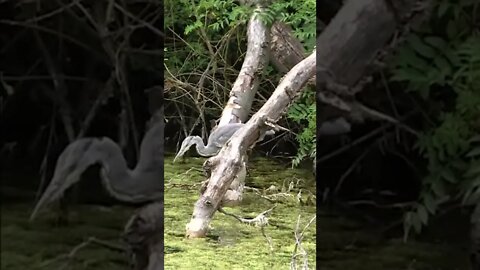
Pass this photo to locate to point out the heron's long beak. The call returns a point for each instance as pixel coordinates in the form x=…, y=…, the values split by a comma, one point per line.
x=186, y=144
x=50, y=194
x=62, y=180
x=179, y=154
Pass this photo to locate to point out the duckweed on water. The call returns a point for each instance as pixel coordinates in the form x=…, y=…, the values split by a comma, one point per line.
x=42, y=245
x=343, y=243
x=231, y=245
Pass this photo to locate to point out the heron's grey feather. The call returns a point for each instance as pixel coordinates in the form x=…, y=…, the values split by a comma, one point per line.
x=223, y=133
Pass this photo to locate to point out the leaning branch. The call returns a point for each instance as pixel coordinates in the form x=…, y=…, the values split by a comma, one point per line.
x=247, y=82
x=227, y=164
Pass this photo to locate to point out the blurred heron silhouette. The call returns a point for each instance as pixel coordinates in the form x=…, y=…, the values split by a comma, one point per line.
x=141, y=185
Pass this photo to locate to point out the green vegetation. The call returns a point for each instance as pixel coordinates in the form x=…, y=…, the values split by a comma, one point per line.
x=349, y=244
x=42, y=245
x=204, y=52
x=345, y=244
x=441, y=63
x=230, y=244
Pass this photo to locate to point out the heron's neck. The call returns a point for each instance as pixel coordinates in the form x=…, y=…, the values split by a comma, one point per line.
x=200, y=146
x=112, y=160
x=151, y=149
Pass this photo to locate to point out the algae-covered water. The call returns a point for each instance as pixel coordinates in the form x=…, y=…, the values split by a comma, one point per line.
x=44, y=244
x=343, y=242
x=230, y=244
x=348, y=244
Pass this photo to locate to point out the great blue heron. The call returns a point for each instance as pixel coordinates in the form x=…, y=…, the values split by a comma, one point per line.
x=142, y=184
x=217, y=139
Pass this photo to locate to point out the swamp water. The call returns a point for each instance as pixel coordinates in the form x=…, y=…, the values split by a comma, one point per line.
x=230, y=244
x=343, y=244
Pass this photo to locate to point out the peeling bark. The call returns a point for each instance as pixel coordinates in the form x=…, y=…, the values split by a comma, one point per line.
x=246, y=85
x=228, y=163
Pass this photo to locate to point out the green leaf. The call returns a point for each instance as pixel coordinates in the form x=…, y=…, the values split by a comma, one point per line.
x=473, y=171
x=474, y=152
x=417, y=224
x=430, y=203
x=475, y=139
x=442, y=8
x=448, y=175
x=452, y=31
x=420, y=47
x=443, y=66
x=422, y=214
x=438, y=188
x=407, y=225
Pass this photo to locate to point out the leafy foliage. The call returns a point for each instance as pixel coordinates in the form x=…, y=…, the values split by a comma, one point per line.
x=304, y=112
x=208, y=37
x=301, y=15
x=443, y=67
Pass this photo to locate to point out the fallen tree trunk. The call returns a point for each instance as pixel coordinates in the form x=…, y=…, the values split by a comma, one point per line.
x=286, y=50
x=350, y=48
x=223, y=168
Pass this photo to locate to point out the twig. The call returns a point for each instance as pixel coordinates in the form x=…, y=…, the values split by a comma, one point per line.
x=57, y=33
x=379, y=115
x=349, y=171
x=60, y=87
x=298, y=245
x=43, y=166
x=42, y=77
x=261, y=220
x=73, y=252
x=146, y=24
x=360, y=140
x=104, y=94
x=51, y=13
x=390, y=99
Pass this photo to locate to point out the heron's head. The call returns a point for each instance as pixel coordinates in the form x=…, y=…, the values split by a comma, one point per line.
x=186, y=144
